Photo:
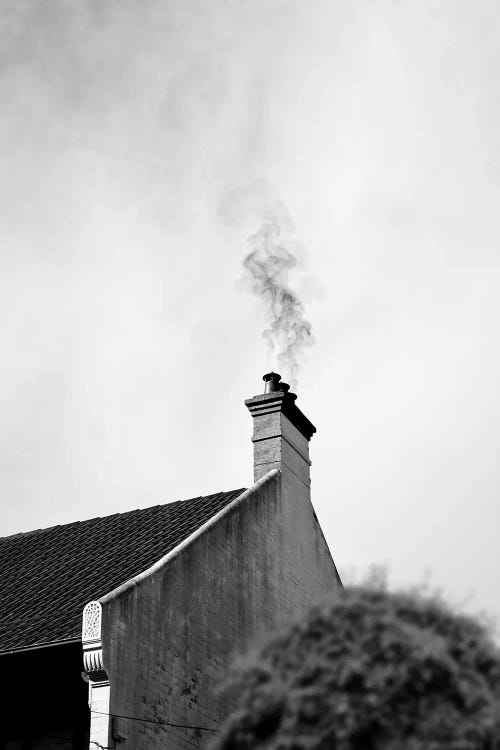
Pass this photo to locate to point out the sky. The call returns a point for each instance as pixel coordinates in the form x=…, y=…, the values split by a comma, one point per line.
x=128, y=343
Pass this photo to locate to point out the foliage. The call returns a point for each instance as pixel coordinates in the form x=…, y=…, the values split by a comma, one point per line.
x=370, y=670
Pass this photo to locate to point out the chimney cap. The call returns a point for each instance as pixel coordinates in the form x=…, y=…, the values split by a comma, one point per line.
x=272, y=381
x=277, y=397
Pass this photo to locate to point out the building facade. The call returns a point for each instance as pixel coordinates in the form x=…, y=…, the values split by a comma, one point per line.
x=156, y=644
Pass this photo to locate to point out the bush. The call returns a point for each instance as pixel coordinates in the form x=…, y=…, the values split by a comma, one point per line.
x=370, y=670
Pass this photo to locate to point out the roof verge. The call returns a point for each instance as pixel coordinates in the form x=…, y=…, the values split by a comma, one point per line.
x=166, y=559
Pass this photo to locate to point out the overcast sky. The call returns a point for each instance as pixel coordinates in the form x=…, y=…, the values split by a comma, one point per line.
x=127, y=344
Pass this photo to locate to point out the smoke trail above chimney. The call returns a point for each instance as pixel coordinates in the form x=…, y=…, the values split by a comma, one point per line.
x=273, y=256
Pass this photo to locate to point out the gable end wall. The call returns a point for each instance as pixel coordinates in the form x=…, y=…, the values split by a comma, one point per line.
x=168, y=639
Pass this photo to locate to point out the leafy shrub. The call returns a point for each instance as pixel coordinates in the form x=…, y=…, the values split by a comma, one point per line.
x=371, y=670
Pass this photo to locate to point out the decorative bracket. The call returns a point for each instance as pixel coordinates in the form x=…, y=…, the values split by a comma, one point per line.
x=99, y=686
x=92, y=644
x=92, y=619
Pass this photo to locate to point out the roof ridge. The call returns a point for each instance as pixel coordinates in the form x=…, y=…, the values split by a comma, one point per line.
x=20, y=534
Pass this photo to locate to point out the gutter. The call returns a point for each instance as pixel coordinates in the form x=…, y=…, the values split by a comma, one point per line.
x=39, y=647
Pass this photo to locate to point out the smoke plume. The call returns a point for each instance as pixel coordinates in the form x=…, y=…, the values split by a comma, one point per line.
x=268, y=265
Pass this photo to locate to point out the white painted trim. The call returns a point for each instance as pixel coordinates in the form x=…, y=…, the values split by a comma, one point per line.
x=136, y=580
x=91, y=622
x=100, y=718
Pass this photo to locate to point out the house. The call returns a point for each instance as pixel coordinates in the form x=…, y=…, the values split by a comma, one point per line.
x=136, y=615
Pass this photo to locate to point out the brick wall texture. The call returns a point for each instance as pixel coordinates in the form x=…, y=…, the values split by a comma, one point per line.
x=168, y=640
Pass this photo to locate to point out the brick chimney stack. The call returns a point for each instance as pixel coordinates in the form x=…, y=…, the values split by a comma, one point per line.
x=281, y=432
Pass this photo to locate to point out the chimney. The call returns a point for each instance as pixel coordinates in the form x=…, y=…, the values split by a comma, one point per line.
x=281, y=433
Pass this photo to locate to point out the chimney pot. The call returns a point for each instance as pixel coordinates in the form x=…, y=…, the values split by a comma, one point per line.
x=272, y=382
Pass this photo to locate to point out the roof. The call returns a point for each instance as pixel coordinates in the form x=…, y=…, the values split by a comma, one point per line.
x=47, y=576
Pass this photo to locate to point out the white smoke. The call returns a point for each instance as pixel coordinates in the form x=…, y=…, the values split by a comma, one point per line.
x=268, y=266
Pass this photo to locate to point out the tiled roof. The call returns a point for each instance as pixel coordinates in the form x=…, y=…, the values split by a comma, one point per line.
x=47, y=576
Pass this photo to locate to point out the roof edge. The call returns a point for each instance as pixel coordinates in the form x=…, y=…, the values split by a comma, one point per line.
x=39, y=646
x=176, y=551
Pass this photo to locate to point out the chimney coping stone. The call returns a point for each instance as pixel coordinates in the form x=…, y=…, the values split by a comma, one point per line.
x=280, y=401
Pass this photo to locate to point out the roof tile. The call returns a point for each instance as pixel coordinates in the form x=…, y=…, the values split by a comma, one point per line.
x=48, y=575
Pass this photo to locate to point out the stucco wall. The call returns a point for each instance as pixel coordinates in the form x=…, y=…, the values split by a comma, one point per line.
x=167, y=639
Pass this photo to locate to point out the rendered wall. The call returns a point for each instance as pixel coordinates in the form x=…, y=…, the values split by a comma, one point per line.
x=167, y=640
